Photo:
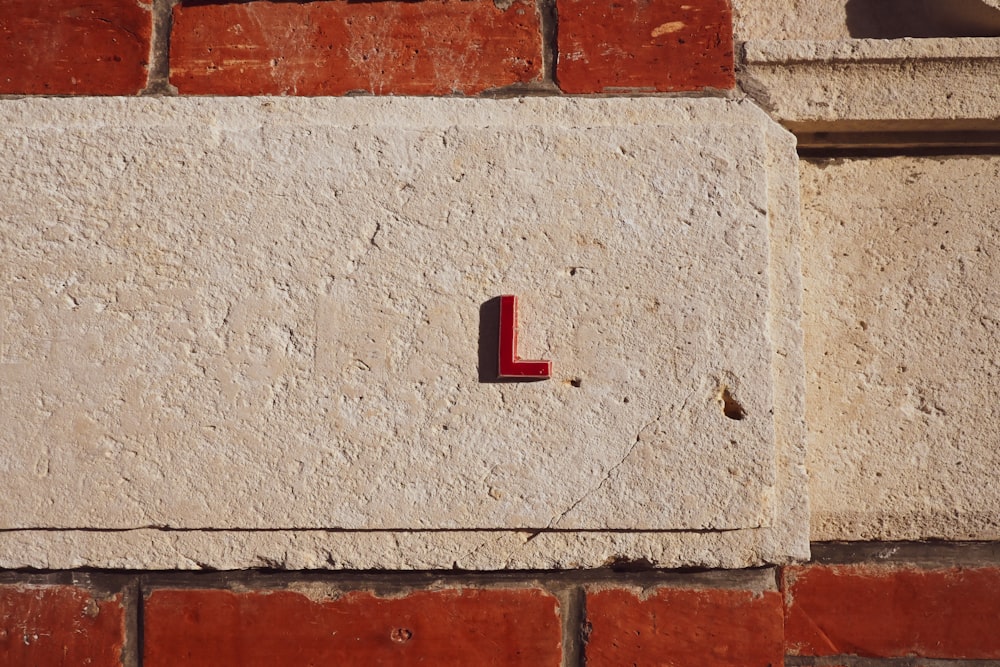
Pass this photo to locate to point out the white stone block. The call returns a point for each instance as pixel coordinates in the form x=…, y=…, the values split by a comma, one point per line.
x=273, y=314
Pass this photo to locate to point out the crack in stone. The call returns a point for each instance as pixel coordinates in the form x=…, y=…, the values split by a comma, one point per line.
x=463, y=562
x=611, y=471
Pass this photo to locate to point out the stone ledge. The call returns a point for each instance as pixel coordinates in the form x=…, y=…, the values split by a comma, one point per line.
x=865, y=88
x=869, y=51
x=154, y=549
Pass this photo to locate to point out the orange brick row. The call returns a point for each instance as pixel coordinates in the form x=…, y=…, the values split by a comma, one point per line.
x=891, y=611
x=60, y=625
x=722, y=628
x=74, y=47
x=485, y=628
x=829, y=613
x=391, y=47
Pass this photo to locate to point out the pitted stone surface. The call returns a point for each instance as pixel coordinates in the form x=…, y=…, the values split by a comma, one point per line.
x=843, y=19
x=265, y=314
x=387, y=550
x=902, y=314
x=876, y=84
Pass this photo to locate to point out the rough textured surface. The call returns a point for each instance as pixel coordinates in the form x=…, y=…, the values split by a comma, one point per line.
x=633, y=45
x=892, y=612
x=839, y=82
x=902, y=315
x=220, y=628
x=436, y=47
x=388, y=550
x=789, y=19
x=321, y=369
x=788, y=362
x=876, y=19
x=666, y=626
x=67, y=47
x=60, y=625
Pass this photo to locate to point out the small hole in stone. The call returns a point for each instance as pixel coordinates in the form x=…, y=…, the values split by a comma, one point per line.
x=572, y=271
x=576, y=382
x=730, y=406
x=401, y=635
x=625, y=400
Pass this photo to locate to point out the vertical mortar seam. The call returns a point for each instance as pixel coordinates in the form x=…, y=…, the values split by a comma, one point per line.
x=572, y=601
x=132, y=646
x=158, y=75
x=550, y=46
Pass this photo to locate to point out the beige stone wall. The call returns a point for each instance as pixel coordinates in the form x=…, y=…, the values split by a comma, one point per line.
x=879, y=19
x=902, y=313
x=198, y=291
x=789, y=19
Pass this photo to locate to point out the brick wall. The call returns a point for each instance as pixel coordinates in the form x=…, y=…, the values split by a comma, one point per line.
x=854, y=606
x=337, y=47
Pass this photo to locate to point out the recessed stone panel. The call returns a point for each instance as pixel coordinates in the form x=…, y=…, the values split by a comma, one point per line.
x=280, y=314
x=902, y=311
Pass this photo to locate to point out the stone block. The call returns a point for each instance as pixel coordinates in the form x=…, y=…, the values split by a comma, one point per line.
x=275, y=314
x=822, y=20
x=877, y=86
x=902, y=329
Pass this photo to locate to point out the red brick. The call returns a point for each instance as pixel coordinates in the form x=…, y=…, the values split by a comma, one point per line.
x=60, y=625
x=638, y=45
x=893, y=612
x=441, y=628
x=434, y=47
x=74, y=47
x=708, y=628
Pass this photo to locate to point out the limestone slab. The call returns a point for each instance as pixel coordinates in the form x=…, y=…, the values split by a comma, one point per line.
x=820, y=20
x=151, y=548
x=270, y=314
x=876, y=85
x=902, y=315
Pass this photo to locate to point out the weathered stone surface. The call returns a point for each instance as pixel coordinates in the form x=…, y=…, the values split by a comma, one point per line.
x=393, y=550
x=882, y=19
x=902, y=313
x=266, y=314
x=789, y=19
x=788, y=363
x=857, y=84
